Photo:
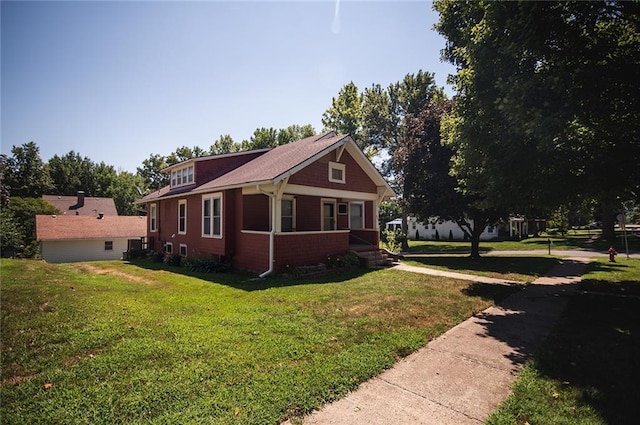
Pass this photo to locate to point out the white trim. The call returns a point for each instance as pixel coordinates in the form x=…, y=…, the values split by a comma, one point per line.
x=183, y=245
x=296, y=189
x=293, y=211
x=182, y=202
x=168, y=244
x=212, y=197
x=340, y=167
x=185, y=174
x=324, y=201
x=153, y=217
x=361, y=203
x=306, y=232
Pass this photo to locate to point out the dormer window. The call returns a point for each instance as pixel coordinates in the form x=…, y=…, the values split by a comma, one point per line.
x=336, y=172
x=182, y=176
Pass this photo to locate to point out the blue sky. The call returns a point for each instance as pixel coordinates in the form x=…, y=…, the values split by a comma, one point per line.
x=119, y=81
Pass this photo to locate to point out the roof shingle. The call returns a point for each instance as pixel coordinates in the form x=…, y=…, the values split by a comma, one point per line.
x=66, y=227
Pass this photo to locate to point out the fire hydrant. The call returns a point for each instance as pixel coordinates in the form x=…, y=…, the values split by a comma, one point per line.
x=612, y=254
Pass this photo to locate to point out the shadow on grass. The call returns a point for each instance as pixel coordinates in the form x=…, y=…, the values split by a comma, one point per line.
x=250, y=282
x=491, y=291
x=526, y=264
x=595, y=347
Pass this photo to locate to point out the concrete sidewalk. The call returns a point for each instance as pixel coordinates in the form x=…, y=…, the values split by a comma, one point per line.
x=463, y=375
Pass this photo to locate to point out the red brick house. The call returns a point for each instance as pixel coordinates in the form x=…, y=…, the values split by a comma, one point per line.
x=268, y=209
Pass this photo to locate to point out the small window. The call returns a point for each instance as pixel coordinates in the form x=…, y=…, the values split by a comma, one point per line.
x=108, y=245
x=182, y=217
x=168, y=247
x=356, y=215
x=183, y=250
x=288, y=215
x=153, y=215
x=336, y=172
x=182, y=176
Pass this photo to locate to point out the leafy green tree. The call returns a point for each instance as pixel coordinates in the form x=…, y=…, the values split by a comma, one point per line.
x=124, y=191
x=429, y=188
x=19, y=225
x=345, y=113
x=262, y=138
x=71, y=173
x=179, y=155
x=293, y=133
x=151, y=174
x=223, y=145
x=24, y=172
x=545, y=113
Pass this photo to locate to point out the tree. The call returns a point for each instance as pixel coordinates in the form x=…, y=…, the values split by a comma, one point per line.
x=429, y=188
x=262, y=138
x=24, y=173
x=71, y=173
x=545, y=113
x=124, y=191
x=151, y=174
x=223, y=145
x=293, y=133
x=345, y=114
x=18, y=226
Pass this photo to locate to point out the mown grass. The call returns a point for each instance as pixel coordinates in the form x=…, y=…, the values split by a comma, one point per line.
x=116, y=342
x=517, y=268
x=587, y=370
x=572, y=240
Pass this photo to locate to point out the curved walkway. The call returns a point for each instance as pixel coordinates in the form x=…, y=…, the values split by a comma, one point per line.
x=463, y=375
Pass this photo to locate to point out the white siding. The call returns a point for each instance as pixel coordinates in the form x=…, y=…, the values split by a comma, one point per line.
x=427, y=232
x=69, y=251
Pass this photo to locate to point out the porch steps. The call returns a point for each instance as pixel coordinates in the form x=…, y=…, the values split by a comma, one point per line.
x=377, y=258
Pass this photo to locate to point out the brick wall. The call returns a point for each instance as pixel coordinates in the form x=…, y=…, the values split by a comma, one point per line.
x=308, y=249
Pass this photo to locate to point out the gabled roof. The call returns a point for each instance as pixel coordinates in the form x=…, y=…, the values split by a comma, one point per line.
x=68, y=227
x=280, y=163
x=89, y=206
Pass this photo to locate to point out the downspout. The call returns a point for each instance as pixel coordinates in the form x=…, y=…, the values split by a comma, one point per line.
x=272, y=233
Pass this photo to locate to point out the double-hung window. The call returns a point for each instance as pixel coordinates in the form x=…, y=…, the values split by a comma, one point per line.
x=182, y=217
x=288, y=222
x=212, y=215
x=153, y=218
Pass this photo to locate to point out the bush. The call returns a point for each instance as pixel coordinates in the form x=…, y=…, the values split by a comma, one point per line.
x=450, y=234
x=208, y=264
x=393, y=240
x=172, y=259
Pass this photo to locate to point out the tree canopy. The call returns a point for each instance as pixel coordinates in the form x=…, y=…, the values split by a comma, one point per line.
x=545, y=113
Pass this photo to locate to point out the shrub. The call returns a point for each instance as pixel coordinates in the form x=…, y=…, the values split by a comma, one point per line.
x=393, y=240
x=172, y=259
x=450, y=234
x=206, y=264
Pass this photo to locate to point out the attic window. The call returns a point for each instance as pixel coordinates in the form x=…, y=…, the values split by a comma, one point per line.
x=337, y=172
x=182, y=176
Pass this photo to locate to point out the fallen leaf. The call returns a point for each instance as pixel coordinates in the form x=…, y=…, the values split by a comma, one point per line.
x=48, y=385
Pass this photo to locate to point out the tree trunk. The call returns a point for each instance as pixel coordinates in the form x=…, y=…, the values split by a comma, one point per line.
x=405, y=230
x=475, y=246
x=608, y=222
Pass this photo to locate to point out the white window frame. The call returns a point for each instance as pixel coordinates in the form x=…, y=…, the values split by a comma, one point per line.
x=168, y=247
x=362, y=209
x=293, y=212
x=183, y=246
x=212, y=197
x=324, y=201
x=180, y=203
x=182, y=176
x=153, y=217
x=337, y=166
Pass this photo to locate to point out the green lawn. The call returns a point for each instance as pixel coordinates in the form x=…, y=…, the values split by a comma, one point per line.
x=524, y=268
x=573, y=240
x=587, y=371
x=117, y=342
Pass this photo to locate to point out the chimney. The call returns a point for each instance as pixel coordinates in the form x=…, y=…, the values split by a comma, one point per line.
x=80, y=202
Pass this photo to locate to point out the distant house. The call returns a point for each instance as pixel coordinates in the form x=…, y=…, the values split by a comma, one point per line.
x=267, y=209
x=70, y=238
x=434, y=229
x=82, y=205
